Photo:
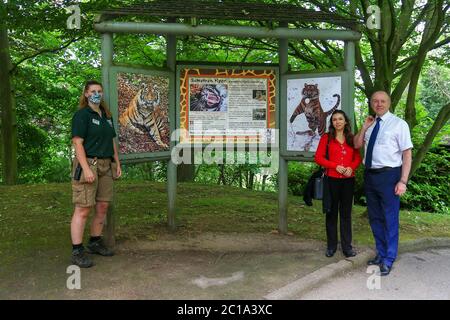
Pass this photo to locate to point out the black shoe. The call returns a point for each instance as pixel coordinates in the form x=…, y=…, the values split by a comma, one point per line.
x=375, y=261
x=329, y=253
x=97, y=247
x=385, y=269
x=308, y=202
x=349, y=253
x=80, y=259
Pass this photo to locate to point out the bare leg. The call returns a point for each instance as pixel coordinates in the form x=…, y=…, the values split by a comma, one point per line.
x=101, y=209
x=79, y=218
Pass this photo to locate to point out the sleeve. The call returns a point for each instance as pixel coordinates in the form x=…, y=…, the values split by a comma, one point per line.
x=79, y=125
x=356, y=161
x=404, y=137
x=320, y=154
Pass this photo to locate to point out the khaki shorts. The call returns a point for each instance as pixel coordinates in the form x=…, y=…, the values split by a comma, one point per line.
x=86, y=194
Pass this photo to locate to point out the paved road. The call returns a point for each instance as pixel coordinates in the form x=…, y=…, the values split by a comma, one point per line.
x=417, y=275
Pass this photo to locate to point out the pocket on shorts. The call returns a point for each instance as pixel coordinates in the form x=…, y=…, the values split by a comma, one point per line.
x=79, y=194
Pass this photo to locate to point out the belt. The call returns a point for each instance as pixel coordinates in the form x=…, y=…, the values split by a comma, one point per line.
x=99, y=158
x=379, y=170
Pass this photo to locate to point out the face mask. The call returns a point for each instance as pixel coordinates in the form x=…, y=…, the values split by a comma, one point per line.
x=95, y=98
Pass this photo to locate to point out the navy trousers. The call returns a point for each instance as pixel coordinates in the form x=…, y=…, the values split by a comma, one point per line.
x=383, y=206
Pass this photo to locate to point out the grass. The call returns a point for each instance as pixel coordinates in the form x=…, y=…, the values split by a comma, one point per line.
x=36, y=218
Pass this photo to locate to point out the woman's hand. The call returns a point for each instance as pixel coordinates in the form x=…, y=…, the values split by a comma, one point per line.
x=88, y=175
x=348, y=172
x=340, y=169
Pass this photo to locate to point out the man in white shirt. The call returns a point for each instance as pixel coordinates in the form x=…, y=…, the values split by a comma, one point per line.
x=387, y=149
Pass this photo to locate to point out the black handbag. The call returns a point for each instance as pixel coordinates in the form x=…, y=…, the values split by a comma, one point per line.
x=318, y=186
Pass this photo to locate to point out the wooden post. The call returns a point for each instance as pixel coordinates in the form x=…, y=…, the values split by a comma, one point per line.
x=171, y=53
x=107, y=58
x=283, y=164
x=349, y=88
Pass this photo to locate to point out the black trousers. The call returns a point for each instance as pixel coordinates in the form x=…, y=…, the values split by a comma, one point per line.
x=341, y=204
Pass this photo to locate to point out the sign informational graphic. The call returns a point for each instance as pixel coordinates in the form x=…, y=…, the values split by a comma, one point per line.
x=227, y=105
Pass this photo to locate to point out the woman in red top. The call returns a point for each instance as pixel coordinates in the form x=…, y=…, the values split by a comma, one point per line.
x=340, y=166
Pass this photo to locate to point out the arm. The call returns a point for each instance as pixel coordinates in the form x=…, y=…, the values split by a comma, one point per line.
x=400, y=188
x=356, y=159
x=116, y=159
x=358, y=140
x=81, y=156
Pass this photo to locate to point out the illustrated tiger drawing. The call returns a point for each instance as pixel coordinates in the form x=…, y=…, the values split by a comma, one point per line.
x=209, y=98
x=311, y=107
x=143, y=114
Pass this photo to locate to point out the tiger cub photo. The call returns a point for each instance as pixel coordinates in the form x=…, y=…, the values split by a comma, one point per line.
x=311, y=107
x=143, y=114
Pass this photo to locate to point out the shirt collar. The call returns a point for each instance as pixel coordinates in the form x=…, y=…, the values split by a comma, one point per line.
x=93, y=111
x=385, y=116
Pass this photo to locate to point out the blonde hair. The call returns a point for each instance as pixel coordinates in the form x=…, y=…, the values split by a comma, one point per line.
x=84, y=100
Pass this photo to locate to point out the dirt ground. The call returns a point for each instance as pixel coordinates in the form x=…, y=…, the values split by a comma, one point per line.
x=209, y=266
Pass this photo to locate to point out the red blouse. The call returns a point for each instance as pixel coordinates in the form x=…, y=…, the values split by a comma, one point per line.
x=338, y=154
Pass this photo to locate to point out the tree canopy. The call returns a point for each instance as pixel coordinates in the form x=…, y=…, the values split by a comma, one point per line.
x=43, y=66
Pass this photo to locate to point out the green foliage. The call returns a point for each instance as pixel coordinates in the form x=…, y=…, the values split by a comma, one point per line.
x=436, y=89
x=429, y=187
x=299, y=173
x=49, y=82
x=147, y=171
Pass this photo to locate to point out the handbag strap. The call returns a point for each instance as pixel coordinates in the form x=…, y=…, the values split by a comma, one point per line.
x=326, y=150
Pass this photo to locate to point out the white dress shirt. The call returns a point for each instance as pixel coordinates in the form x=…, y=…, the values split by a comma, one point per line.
x=393, y=138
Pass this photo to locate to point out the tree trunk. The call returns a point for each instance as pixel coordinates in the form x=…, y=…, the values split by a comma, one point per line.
x=441, y=120
x=240, y=177
x=222, y=175
x=149, y=174
x=263, y=184
x=186, y=172
x=7, y=107
x=251, y=179
x=431, y=33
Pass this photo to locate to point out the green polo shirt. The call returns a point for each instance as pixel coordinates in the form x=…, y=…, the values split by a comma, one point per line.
x=97, y=132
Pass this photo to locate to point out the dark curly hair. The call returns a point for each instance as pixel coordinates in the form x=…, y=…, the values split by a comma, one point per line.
x=347, y=129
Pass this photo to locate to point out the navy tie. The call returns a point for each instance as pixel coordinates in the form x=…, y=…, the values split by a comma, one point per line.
x=371, y=144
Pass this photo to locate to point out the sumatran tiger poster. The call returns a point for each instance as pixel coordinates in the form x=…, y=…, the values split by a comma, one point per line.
x=310, y=102
x=227, y=105
x=143, y=104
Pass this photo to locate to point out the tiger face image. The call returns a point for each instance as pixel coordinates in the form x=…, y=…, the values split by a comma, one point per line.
x=143, y=114
x=208, y=98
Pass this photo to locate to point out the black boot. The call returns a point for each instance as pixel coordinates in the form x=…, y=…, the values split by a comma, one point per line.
x=80, y=258
x=97, y=247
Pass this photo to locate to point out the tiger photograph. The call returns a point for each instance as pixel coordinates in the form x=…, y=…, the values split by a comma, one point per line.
x=208, y=97
x=143, y=104
x=310, y=103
